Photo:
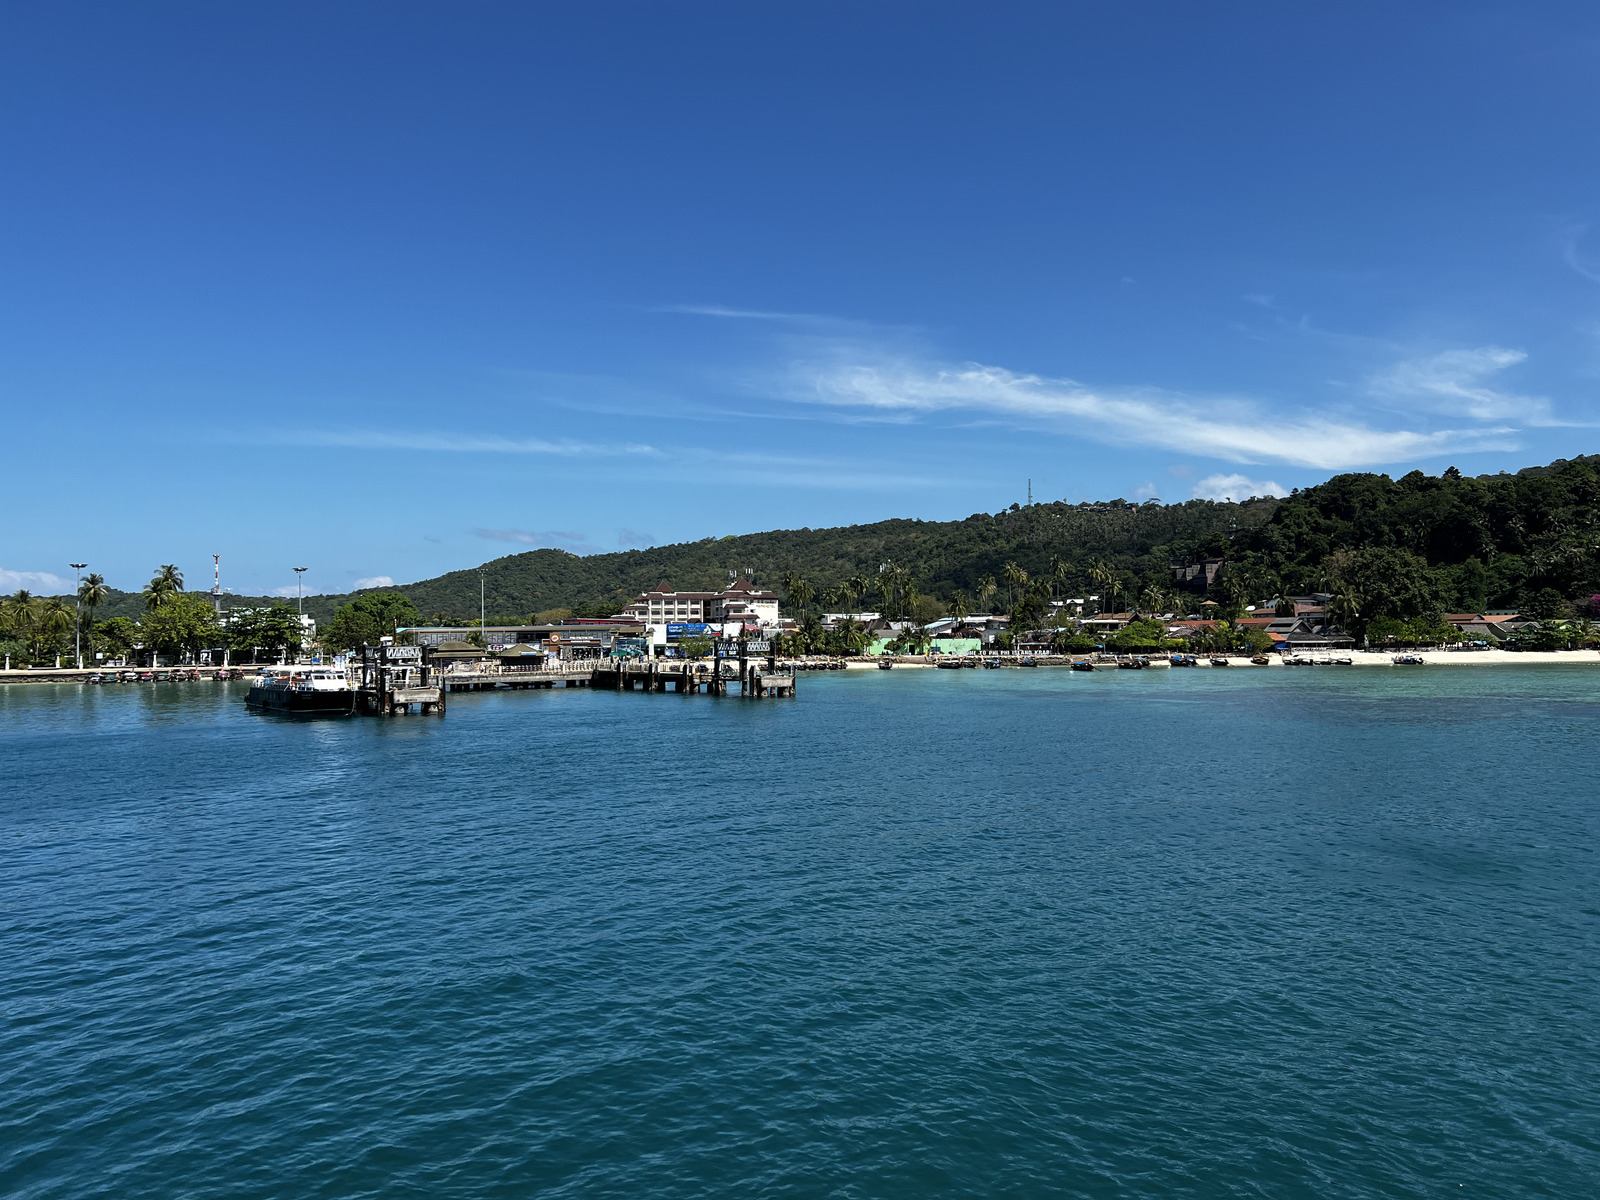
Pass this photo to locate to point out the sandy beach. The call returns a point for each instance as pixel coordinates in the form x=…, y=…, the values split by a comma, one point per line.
x=1360, y=658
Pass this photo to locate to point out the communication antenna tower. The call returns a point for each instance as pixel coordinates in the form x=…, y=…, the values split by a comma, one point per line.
x=216, y=583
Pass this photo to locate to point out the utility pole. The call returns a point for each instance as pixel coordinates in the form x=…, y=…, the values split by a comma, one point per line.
x=77, y=623
x=1030, y=493
x=299, y=593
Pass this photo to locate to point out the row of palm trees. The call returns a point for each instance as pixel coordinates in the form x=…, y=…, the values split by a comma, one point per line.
x=898, y=593
x=43, y=623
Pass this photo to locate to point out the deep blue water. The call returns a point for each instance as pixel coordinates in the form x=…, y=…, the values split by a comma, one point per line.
x=1327, y=933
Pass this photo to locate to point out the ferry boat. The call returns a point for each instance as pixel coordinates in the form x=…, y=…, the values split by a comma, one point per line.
x=303, y=689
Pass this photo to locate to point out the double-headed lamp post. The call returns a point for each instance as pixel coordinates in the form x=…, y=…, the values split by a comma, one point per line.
x=299, y=591
x=77, y=622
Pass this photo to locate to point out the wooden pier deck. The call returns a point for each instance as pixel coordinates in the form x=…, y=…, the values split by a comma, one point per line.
x=691, y=678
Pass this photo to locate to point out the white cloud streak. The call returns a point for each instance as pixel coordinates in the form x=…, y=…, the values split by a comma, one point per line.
x=359, y=439
x=1231, y=430
x=41, y=583
x=1236, y=487
x=373, y=581
x=1453, y=382
x=740, y=314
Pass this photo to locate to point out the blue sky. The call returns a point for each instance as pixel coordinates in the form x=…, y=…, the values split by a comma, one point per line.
x=388, y=290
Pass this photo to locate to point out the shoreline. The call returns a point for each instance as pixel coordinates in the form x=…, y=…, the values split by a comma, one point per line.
x=1359, y=658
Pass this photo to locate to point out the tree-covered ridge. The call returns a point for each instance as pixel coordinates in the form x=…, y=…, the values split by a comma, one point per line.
x=1405, y=547
x=942, y=557
x=1402, y=548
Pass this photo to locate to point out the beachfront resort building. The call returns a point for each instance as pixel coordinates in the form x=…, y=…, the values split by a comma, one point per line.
x=738, y=602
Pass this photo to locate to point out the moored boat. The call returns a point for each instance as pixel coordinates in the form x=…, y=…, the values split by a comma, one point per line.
x=1219, y=662
x=885, y=664
x=1082, y=664
x=303, y=689
x=1261, y=660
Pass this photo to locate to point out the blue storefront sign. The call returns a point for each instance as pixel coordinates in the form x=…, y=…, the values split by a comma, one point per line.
x=688, y=630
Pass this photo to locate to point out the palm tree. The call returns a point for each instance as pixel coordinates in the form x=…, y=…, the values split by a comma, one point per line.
x=1058, y=573
x=1100, y=573
x=1015, y=577
x=52, y=622
x=801, y=594
x=858, y=584
x=16, y=615
x=1345, y=607
x=958, y=611
x=986, y=590
x=1153, y=597
x=168, y=582
x=1283, y=600
x=92, y=593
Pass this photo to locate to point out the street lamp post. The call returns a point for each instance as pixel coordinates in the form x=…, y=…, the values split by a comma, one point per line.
x=300, y=606
x=77, y=622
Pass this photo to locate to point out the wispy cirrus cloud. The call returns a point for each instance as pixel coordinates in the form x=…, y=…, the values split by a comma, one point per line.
x=1570, y=237
x=1454, y=382
x=448, y=443
x=543, y=539
x=1232, y=430
x=740, y=314
x=373, y=581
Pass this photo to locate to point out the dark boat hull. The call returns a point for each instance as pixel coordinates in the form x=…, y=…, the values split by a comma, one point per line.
x=309, y=704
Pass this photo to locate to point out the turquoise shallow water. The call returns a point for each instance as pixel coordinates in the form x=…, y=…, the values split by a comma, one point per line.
x=1184, y=933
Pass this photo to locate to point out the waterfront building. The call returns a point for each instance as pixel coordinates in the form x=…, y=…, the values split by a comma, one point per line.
x=586, y=639
x=739, y=603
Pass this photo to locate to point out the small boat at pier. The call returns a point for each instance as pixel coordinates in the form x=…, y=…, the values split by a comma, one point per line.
x=1082, y=664
x=303, y=690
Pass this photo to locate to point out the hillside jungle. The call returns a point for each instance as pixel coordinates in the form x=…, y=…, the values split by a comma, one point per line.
x=1385, y=550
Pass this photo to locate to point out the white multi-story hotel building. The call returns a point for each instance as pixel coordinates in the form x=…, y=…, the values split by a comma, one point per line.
x=736, y=602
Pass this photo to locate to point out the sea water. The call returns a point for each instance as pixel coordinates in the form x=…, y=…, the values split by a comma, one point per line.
x=1326, y=933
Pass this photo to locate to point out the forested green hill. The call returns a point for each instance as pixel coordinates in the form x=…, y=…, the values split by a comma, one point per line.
x=1400, y=547
x=1419, y=544
x=941, y=557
